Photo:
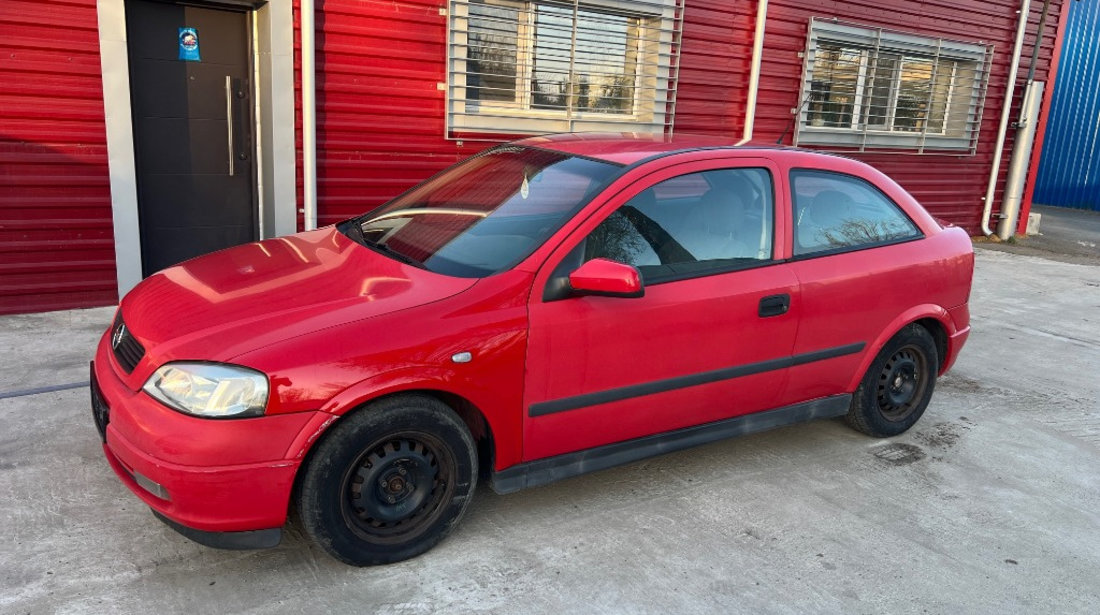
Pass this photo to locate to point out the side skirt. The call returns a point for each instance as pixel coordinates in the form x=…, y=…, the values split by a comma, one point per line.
x=551, y=469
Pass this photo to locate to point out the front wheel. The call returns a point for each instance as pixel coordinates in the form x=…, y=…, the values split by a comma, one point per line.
x=897, y=386
x=389, y=482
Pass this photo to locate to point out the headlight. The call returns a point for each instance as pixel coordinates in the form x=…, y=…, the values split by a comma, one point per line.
x=209, y=389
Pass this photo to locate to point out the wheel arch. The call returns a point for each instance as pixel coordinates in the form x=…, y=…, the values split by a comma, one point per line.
x=349, y=515
x=471, y=415
x=939, y=335
x=933, y=318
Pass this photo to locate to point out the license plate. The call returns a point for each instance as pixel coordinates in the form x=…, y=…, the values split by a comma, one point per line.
x=100, y=411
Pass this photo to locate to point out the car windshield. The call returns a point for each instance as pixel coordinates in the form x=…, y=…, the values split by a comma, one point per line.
x=484, y=215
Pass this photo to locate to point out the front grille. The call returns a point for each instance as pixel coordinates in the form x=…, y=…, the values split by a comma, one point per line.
x=128, y=351
x=100, y=411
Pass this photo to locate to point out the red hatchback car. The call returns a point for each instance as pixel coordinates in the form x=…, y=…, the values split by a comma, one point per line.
x=549, y=307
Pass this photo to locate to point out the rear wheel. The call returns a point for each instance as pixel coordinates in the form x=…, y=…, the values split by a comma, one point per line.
x=389, y=482
x=897, y=386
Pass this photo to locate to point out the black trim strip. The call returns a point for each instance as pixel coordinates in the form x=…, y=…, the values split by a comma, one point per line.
x=857, y=248
x=237, y=541
x=681, y=382
x=39, y=390
x=544, y=471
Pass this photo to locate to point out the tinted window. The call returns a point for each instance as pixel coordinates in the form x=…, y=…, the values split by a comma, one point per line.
x=485, y=214
x=835, y=212
x=697, y=222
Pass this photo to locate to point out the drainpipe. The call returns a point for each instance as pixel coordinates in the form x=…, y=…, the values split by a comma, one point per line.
x=1021, y=154
x=309, y=117
x=754, y=74
x=1025, y=136
x=1040, y=130
x=1010, y=87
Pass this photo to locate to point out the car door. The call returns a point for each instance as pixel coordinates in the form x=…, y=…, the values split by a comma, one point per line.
x=707, y=341
x=856, y=255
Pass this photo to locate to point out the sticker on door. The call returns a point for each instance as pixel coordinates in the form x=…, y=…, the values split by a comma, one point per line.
x=189, y=45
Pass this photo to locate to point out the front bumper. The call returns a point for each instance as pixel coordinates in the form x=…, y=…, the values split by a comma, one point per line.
x=226, y=483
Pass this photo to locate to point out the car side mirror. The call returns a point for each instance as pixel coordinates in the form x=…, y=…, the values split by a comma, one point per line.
x=606, y=278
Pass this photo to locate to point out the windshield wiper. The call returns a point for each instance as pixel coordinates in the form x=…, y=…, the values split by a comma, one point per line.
x=382, y=248
x=354, y=230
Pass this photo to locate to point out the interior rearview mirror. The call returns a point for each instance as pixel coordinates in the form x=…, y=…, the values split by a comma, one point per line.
x=606, y=278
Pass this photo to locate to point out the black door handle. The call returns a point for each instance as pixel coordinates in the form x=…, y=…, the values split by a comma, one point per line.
x=774, y=305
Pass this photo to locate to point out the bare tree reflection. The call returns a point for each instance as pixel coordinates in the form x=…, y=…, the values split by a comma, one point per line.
x=853, y=232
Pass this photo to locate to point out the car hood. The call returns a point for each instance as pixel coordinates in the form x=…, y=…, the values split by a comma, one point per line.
x=221, y=305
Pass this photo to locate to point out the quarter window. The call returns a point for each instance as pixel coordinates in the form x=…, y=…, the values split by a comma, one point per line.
x=531, y=67
x=872, y=88
x=692, y=224
x=835, y=212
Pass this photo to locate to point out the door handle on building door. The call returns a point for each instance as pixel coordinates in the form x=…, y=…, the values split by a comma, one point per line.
x=229, y=124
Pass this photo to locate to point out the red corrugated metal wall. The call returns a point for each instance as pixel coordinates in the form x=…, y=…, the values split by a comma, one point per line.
x=381, y=114
x=56, y=242
x=715, y=66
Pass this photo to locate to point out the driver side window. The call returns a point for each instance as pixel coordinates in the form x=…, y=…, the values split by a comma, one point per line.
x=693, y=224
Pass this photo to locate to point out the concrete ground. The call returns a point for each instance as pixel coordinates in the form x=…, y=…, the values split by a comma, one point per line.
x=990, y=504
x=1066, y=235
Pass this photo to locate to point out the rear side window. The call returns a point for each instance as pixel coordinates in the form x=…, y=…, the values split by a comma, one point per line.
x=693, y=224
x=834, y=212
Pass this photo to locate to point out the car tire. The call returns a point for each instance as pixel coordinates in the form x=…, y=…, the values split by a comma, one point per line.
x=897, y=386
x=389, y=481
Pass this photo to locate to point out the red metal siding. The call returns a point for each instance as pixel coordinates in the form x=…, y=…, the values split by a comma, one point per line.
x=715, y=60
x=715, y=67
x=56, y=242
x=380, y=114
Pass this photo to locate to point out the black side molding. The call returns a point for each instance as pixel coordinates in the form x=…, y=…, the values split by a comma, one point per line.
x=238, y=541
x=545, y=471
x=680, y=382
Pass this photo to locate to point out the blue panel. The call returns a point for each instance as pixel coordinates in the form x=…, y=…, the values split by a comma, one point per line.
x=1069, y=167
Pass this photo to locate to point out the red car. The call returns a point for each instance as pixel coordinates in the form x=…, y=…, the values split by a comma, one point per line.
x=549, y=307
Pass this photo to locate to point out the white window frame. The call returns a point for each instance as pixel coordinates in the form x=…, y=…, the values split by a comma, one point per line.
x=655, y=72
x=964, y=101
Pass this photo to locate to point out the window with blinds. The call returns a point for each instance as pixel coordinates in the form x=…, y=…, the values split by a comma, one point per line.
x=869, y=88
x=535, y=67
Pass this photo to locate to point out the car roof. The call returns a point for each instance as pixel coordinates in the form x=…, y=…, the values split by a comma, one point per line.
x=630, y=147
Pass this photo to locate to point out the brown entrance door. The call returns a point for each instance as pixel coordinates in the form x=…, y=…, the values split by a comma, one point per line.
x=192, y=115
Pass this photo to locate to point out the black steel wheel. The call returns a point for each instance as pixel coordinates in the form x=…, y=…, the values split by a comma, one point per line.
x=901, y=383
x=389, y=481
x=897, y=386
x=397, y=487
